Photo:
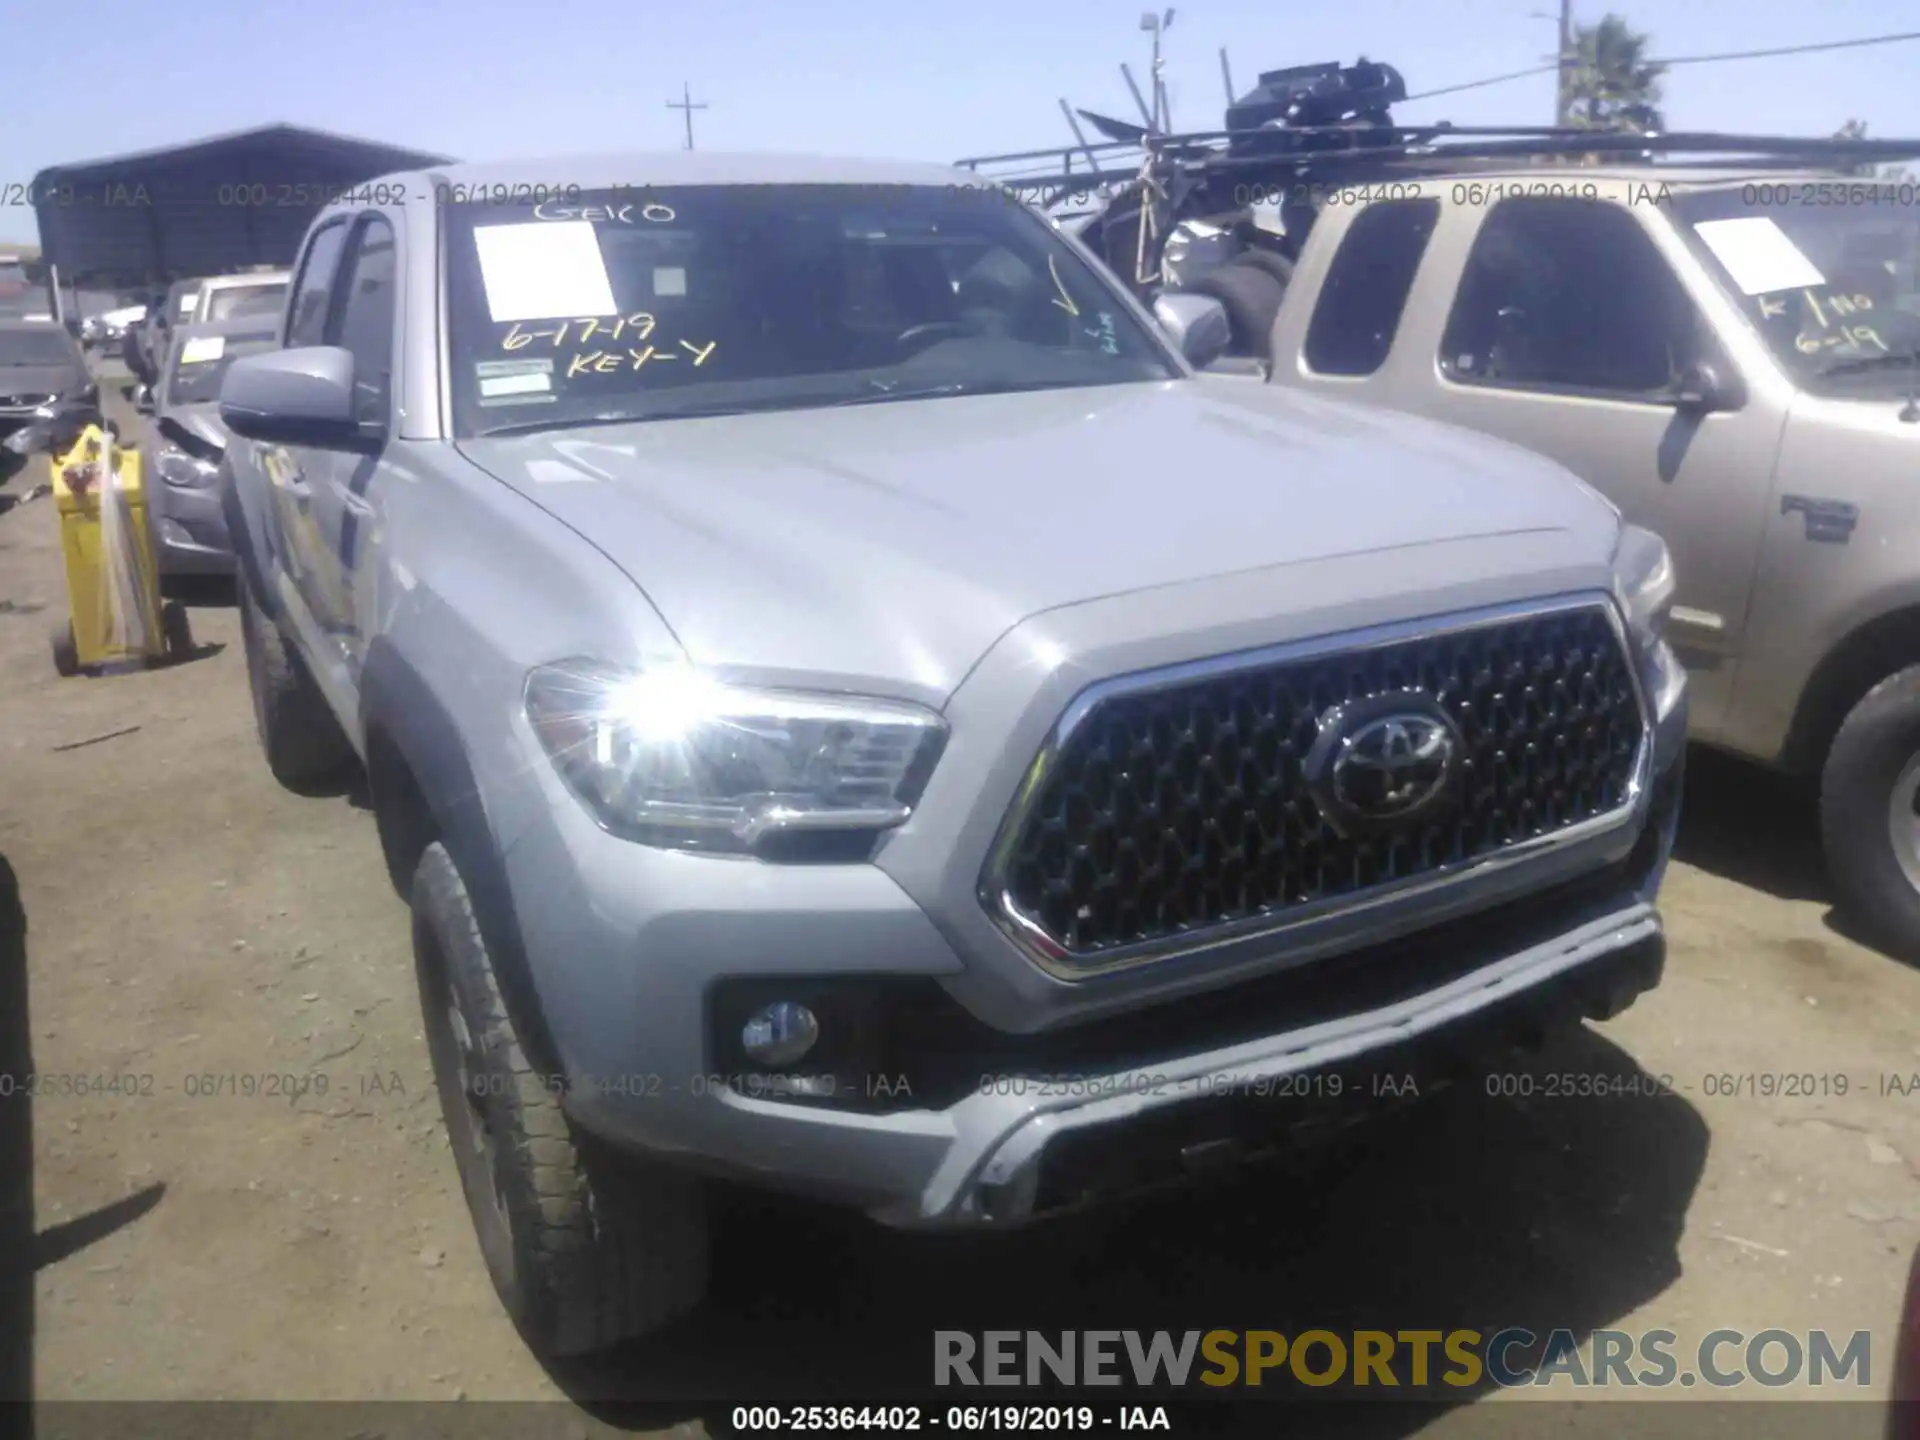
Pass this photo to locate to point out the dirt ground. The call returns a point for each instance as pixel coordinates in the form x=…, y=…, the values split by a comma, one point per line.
x=186, y=918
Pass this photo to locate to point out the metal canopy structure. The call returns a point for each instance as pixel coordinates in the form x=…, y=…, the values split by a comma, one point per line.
x=216, y=205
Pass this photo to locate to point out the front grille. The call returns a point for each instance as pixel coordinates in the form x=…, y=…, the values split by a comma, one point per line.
x=1171, y=809
x=25, y=402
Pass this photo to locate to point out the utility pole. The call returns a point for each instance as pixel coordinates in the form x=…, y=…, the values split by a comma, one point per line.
x=687, y=104
x=1157, y=24
x=1564, y=107
x=1562, y=60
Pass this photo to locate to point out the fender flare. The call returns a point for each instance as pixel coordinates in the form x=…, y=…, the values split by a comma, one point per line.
x=407, y=725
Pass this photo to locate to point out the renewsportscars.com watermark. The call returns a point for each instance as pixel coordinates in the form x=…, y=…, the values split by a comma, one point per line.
x=1401, y=1359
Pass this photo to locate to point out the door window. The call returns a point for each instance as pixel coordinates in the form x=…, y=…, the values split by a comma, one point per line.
x=307, y=317
x=364, y=318
x=1569, y=295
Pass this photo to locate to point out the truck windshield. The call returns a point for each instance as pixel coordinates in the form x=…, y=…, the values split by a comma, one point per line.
x=202, y=363
x=24, y=347
x=657, y=304
x=235, y=302
x=1827, y=271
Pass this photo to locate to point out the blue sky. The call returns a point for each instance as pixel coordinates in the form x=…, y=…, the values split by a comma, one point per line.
x=483, y=79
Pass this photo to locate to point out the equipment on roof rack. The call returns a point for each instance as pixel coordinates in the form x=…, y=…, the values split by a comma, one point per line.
x=1165, y=210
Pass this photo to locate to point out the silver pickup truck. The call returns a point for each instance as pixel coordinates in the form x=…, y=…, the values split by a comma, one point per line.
x=823, y=745
x=1734, y=361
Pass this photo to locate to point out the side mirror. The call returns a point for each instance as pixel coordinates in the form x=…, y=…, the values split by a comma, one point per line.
x=1704, y=388
x=292, y=397
x=1197, y=324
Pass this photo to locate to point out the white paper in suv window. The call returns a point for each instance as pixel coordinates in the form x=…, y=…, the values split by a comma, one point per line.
x=1758, y=255
x=543, y=270
x=202, y=348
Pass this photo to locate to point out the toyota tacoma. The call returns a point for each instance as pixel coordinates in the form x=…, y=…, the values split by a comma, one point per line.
x=856, y=708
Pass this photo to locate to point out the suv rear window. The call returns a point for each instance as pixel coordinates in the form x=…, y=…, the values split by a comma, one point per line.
x=1367, y=286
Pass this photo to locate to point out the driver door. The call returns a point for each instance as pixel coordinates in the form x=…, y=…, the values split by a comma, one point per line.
x=343, y=505
x=297, y=473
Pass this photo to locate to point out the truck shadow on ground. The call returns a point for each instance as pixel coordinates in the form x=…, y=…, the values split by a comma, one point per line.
x=1461, y=1211
x=22, y=1252
x=16, y=1149
x=1760, y=829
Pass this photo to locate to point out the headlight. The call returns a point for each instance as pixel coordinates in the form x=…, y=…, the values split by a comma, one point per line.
x=673, y=757
x=1643, y=580
x=184, y=471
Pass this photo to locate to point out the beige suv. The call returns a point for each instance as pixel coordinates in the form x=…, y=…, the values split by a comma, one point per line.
x=1734, y=361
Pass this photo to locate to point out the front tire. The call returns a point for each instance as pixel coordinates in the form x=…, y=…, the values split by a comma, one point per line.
x=586, y=1249
x=66, y=650
x=1870, y=811
x=303, y=743
x=178, y=630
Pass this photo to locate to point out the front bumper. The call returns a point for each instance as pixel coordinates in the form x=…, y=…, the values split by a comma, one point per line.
x=190, y=531
x=625, y=943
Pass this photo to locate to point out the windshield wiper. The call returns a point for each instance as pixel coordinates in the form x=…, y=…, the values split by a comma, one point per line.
x=1893, y=359
x=883, y=392
x=899, y=391
x=624, y=417
x=572, y=422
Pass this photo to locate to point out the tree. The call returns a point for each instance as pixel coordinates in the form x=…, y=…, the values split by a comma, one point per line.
x=1612, y=85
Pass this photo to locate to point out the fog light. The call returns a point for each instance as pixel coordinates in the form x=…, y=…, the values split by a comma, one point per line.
x=780, y=1033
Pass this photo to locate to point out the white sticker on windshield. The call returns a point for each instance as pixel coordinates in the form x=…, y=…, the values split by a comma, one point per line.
x=202, y=348
x=669, y=280
x=542, y=271
x=514, y=381
x=528, y=384
x=1758, y=255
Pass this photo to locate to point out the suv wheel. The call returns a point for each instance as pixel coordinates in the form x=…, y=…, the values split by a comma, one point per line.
x=301, y=739
x=1870, y=810
x=586, y=1249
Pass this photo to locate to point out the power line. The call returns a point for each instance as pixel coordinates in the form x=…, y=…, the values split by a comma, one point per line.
x=1681, y=60
x=1490, y=80
x=1790, y=50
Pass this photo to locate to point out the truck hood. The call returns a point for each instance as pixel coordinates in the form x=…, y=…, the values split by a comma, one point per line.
x=898, y=541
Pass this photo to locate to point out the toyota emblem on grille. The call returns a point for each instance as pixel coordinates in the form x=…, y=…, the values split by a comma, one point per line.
x=1383, y=763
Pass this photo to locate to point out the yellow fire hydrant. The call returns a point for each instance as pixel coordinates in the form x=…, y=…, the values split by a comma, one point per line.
x=116, y=617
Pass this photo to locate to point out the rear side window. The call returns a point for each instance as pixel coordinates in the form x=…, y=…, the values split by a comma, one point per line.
x=307, y=319
x=1367, y=287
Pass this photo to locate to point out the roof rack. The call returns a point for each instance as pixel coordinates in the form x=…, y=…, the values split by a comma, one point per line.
x=1304, y=131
